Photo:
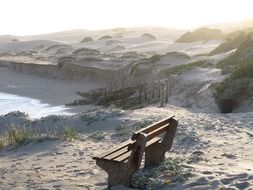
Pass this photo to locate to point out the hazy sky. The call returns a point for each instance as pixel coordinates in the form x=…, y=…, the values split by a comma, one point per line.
x=23, y=17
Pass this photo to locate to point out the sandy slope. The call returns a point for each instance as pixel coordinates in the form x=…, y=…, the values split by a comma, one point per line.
x=217, y=147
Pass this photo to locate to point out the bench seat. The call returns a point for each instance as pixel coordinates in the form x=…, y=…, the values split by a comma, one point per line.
x=122, y=152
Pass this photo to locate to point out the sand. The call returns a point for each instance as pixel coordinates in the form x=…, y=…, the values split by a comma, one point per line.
x=217, y=147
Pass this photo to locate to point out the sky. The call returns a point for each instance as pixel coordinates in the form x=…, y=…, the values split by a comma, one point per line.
x=26, y=17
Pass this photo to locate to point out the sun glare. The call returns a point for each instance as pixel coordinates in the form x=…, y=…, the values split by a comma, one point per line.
x=40, y=16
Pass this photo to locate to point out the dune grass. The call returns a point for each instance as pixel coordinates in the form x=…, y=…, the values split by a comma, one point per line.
x=16, y=136
x=238, y=85
x=69, y=133
x=179, y=69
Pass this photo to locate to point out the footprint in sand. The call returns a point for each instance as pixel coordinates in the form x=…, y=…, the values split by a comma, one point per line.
x=229, y=156
x=240, y=181
x=60, y=166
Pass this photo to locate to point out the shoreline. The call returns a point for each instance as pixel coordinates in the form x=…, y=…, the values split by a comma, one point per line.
x=48, y=92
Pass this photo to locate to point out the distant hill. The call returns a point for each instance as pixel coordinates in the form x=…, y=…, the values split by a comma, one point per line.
x=233, y=41
x=202, y=34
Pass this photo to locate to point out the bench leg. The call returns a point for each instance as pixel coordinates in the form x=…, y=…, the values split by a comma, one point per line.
x=154, y=155
x=118, y=173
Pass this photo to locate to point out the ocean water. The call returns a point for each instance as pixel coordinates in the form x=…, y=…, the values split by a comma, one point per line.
x=34, y=108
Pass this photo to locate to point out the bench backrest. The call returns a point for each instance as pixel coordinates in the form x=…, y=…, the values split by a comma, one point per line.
x=155, y=129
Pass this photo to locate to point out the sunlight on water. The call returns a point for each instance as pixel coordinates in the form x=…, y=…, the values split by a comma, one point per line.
x=33, y=107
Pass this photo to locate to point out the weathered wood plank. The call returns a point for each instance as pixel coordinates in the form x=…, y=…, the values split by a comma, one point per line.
x=157, y=132
x=152, y=127
x=123, y=157
x=117, y=148
x=116, y=154
x=149, y=143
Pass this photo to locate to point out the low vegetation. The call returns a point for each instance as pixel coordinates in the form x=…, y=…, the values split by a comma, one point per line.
x=145, y=62
x=22, y=136
x=123, y=130
x=238, y=86
x=17, y=136
x=69, y=133
x=233, y=40
x=202, y=34
x=179, y=69
x=170, y=171
x=241, y=56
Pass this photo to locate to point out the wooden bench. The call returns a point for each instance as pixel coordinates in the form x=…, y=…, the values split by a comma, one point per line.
x=123, y=161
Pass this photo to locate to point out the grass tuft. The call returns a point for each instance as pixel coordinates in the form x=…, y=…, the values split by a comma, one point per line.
x=69, y=133
x=17, y=136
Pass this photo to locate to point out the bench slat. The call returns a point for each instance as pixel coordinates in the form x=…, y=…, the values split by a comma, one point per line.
x=154, y=140
x=149, y=143
x=117, y=148
x=157, y=132
x=116, y=154
x=152, y=127
x=123, y=157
